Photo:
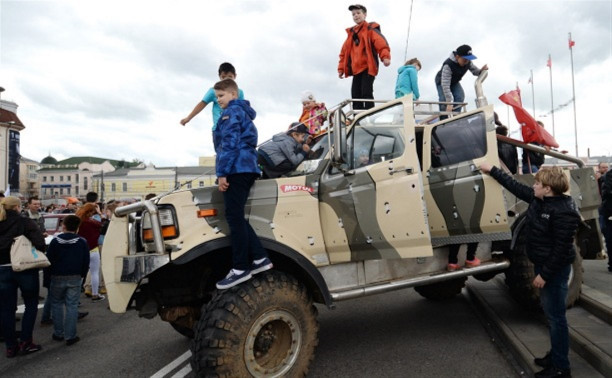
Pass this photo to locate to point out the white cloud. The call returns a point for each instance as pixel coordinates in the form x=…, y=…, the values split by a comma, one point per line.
x=113, y=79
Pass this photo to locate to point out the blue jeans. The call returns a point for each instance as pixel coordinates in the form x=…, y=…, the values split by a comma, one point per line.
x=552, y=299
x=458, y=96
x=65, y=291
x=246, y=246
x=28, y=282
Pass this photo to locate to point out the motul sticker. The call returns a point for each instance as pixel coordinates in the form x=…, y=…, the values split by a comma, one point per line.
x=296, y=188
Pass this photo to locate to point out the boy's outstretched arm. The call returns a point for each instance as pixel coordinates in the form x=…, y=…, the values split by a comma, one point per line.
x=196, y=110
x=520, y=190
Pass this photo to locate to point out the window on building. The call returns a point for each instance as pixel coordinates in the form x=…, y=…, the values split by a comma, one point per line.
x=113, y=187
x=84, y=183
x=61, y=178
x=61, y=191
x=51, y=178
x=201, y=184
x=45, y=191
x=76, y=178
x=68, y=178
x=44, y=178
x=124, y=187
x=189, y=185
x=68, y=191
x=76, y=190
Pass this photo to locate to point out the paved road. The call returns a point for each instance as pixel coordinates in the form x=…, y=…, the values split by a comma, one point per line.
x=392, y=335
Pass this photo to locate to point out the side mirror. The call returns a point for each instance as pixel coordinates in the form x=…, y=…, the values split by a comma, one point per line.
x=339, y=156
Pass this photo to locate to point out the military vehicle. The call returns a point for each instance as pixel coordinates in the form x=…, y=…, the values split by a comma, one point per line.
x=373, y=210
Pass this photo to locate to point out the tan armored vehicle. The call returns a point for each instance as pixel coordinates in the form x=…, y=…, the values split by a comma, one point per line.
x=373, y=210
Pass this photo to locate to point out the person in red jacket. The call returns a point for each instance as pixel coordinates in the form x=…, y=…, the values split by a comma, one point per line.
x=359, y=56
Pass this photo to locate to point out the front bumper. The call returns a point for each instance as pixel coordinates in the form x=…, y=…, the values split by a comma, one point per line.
x=136, y=267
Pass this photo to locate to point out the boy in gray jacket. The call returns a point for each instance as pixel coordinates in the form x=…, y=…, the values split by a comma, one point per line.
x=285, y=151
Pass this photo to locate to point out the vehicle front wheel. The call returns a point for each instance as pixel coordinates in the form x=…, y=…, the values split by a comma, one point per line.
x=265, y=327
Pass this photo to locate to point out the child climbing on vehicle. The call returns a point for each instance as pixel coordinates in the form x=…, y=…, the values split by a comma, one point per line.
x=285, y=151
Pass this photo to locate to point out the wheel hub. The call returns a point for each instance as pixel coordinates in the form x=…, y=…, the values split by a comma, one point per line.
x=273, y=344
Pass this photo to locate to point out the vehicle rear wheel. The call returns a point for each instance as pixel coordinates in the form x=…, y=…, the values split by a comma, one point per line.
x=520, y=276
x=265, y=327
x=442, y=290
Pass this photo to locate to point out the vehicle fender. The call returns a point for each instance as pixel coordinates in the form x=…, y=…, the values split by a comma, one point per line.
x=284, y=258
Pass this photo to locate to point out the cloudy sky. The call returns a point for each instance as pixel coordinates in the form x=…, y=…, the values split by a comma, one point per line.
x=113, y=78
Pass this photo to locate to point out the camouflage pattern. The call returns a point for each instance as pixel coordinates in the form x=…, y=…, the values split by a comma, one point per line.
x=374, y=224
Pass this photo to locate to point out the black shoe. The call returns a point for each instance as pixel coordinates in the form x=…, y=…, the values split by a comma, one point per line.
x=83, y=314
x=57, y=338
x=73, y=341
x=544, y=361
x=552, y=371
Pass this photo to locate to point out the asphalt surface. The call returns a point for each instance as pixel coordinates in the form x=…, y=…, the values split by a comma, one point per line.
x=396, y=334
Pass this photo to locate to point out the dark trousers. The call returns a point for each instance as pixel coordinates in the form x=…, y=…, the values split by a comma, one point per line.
x=246, y=246
x=453, y=251
x=28, y=282
x=363, y=87
x=608, y=236
x=552, y=299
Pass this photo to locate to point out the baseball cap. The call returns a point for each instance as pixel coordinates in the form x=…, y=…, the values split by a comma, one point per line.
x=358, y=6
x=465, y=51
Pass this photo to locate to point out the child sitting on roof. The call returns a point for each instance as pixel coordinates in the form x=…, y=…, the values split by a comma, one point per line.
x=313, y=114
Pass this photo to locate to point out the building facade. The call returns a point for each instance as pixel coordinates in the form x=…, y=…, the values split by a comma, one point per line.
x=135, y=183
x=72, y=177
x=10, y=134
x=28, y=177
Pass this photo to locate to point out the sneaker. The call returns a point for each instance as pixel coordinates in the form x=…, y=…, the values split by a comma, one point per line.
x=262, y=266
x=544, y=361
x=82, y=315
x=232, y=279
x=46, y=322
x=472, y=263
x=12, y=351
x=69, y=342
x=552, y=371
x=102, y=290
x=27, y=347
x=98, y=298
x=88, y=293
x=452, y=267
x=57, y=338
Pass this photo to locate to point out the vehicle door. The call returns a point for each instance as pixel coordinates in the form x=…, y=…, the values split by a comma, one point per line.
x=372, y=206
x=464, y=205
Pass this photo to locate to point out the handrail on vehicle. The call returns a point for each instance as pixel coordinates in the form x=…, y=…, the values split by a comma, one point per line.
x=151, y=208
x=536, y=148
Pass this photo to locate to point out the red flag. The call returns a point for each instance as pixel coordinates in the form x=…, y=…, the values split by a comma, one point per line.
x=531, y=130
x=571, y=43
x=549, y=62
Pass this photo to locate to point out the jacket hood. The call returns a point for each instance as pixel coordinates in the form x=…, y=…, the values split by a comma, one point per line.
x=281, y=137
x=405, y=68
x=246, y=106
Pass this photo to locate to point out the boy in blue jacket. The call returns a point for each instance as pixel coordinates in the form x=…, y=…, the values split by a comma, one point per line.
x=69, y=257
x=235, y=139
x=551, y=224
x=407, y=80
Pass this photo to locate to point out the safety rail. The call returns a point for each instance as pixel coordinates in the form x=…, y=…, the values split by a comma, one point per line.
x=543, y=150
x=151, y=208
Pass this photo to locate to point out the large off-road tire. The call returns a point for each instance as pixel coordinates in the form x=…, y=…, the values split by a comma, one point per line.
x=265, y=327
x=442, y=290
x=185, y=331
x=520, y=276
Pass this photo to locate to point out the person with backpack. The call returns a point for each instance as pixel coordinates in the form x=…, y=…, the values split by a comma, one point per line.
x=359, y=56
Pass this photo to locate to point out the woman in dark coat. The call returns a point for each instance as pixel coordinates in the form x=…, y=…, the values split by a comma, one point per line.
x=12, y=224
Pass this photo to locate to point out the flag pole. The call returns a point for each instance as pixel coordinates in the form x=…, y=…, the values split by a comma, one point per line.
x=571, y=44
x=552, y=107
x=532, y=94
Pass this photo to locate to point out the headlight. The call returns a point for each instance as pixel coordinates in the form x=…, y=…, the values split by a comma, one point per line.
x=167, y=220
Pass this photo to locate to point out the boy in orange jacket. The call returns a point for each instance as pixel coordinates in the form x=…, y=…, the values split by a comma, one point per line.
x=359, y=56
